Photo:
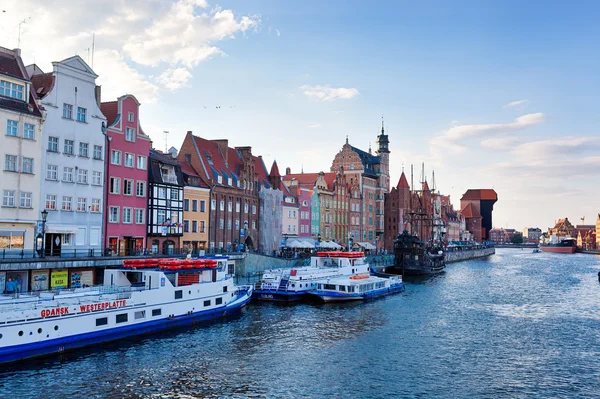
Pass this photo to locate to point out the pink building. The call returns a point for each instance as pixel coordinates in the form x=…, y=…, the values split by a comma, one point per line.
x=304, y=197
x=126, y=184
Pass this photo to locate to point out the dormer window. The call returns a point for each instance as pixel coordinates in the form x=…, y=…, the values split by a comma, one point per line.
x=229, y=181
x=13, y=90
x=220, y=179
x=209, y=159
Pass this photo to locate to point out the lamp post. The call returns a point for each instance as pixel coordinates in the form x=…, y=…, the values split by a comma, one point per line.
x=43, y=232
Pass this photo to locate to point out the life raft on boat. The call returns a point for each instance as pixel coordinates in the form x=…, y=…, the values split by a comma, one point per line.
x=359, y=276
x=340, y=254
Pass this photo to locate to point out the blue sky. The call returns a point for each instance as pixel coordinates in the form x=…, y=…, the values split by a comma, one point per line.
x=442, y=74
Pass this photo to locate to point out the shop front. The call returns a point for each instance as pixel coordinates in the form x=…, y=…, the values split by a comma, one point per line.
x=39, y=280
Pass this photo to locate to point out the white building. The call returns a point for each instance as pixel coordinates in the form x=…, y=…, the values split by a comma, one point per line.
x=74, y=157
x=21, y=154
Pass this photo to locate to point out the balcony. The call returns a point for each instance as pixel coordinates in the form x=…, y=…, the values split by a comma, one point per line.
x=172, y=179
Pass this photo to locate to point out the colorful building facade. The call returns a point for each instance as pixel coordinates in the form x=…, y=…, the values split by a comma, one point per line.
x=196, y=197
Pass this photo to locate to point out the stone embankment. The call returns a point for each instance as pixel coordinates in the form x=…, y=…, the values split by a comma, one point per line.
x=468, y=254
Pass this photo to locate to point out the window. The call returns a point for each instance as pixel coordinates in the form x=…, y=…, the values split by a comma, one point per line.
x=229, y=206
x=139, y=216
x=194, y=205
x=130, y=117
x=68, y=149
x=122, y=318
x=115, y=157
x=127, y=215
x=254, y=209
x=98, y=152
x=50, y=201
x=245, y=208
x=128, y=160
x=25, y=200
x=82, y=176
x=115, y=185
x=81, y=114
x=174, y=194
x=67, y=175
x=140, y=188
x=213, y=205
x=129, y=134
x=202, y=206
x=186, y=205
x=113, y=216
x=102, y=321
x=10, y=163
x=96, y=178
x=81, y=204
x=53, y=144
x=141, y=314
x=186, y=226
x=254, y=225
x=202, y=224
x=67, y=111
x=67, y=203
x=8, y=198
x=221, y=224
x=156, y=312
x=162, y=193
x=222, y=205
x=160, y=216
x=194, y=226
x=13, y=90
x=127, y=187
x=218, y=301
x=12, y=128
x=95, y=207
x=207, y=302
x=52, y=172
x=141, y=162
x=83, y=150
x=28, y=131
x=229, y=224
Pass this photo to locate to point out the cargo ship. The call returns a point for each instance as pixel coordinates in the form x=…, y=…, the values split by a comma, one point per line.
x=566, y=246
x=145, y=296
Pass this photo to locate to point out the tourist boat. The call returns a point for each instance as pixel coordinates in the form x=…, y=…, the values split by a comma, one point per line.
x=414, y=258
x=564, y=246
x=289, y=285
x=357, y=287
x=144, y=296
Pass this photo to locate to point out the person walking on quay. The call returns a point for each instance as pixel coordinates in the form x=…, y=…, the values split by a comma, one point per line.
x=10, y=286
x=18, y=284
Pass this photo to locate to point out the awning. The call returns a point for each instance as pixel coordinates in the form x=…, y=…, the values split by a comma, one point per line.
x=296, y=243
x=329, y=244
x=366, y=245
x=61, y=229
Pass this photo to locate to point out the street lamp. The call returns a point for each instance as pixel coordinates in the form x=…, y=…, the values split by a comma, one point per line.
x=42, y=235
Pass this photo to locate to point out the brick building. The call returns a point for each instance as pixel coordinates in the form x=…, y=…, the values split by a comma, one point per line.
x=477, y=206
x=235, y=177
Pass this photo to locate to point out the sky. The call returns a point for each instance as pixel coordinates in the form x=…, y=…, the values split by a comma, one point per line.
x=501, y=95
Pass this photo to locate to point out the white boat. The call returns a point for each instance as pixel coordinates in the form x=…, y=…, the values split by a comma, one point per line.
x=131, y=302
x=356, y=288
x=288, y=285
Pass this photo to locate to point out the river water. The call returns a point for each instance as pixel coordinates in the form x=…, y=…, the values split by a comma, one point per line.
x=515, y=325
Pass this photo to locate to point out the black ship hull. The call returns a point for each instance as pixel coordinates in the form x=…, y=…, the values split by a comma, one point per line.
x=414, y=258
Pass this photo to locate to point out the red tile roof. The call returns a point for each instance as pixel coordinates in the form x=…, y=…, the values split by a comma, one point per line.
x=425, y=186
x=9, y=65
x=188, y=169
x=480, y=194
x=469, y=211
x=274, y=169
x=403, y=183
x=110, y=109
x=309, y=179
x=42, y=83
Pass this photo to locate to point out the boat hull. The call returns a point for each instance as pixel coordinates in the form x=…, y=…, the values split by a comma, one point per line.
x=278, y=296
x=16, y=353
x=557, y=249
x=329, y=296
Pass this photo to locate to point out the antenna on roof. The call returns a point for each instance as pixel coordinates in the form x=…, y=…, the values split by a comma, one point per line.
x=93, y=47
x=19, y=37
x=166, y=133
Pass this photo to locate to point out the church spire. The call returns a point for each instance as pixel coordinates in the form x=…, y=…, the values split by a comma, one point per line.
x=346, y=139
x=382, y=129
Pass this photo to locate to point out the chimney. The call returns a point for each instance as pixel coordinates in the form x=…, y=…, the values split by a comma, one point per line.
x=288, y=171
x=223, y=145
x=98, y=94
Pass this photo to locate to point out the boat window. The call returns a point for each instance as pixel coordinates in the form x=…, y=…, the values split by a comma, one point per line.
x=207, y=303
x=156, y=312
x=39, y=330
x=329, y=287
x=102, y=321
x=342, y=288
x=140, y=315
x=20, y=333
x=179, y=294
x=122, y=318
x=55, y=328
x=352, y=271
x=225, y=289
x=219, y=301
x=293, y=285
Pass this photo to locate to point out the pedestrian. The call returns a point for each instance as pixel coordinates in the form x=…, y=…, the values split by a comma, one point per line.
x=18, y=283
x=10, y=286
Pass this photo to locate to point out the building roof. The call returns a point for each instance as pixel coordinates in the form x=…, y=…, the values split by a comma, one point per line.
x=42, y=83
x=469, y=211
x=480, y=194
x=155, y=159
x=403, y=183
x=368, y=161
x=110, y=109
x=274, y=169
x=11, y=65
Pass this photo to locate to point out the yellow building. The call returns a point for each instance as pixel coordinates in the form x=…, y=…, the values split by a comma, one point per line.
x=196, y=197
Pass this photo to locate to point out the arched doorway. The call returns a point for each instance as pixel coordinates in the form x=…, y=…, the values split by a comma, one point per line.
x=168, y=247
x=248, y=243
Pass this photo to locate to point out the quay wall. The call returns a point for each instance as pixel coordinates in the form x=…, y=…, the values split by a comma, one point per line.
x=459, y=256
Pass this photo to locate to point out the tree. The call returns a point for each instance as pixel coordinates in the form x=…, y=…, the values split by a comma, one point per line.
x=517, y=239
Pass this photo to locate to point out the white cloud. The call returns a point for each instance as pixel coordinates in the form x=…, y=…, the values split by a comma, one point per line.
x=141, y=38
x=328, y=93
x=174, y=78
x=278, y=33
x=515, y=104
x=499, y=143
x=452, y=138
x=315, y=126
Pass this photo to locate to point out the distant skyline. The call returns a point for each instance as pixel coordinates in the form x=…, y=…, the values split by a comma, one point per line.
x=499, y=95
